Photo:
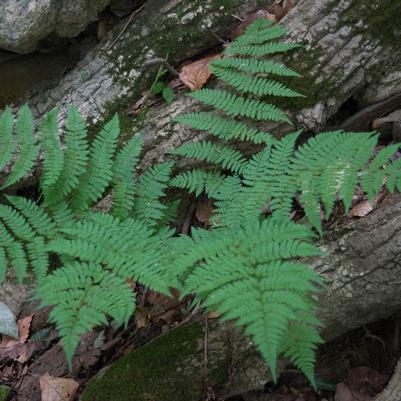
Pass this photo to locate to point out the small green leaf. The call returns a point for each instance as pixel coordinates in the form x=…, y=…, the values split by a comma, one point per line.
x=8, y=323
x=157, y=88
x=168, y=94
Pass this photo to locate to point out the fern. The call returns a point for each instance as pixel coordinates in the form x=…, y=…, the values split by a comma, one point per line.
x=6, y=137
x=75, y=159
x=123, y=176
x=28, y=150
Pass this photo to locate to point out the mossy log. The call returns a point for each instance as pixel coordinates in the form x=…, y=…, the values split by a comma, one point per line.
x=362, y=271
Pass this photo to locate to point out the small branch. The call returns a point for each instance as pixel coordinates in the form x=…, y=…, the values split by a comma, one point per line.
x=164, y=63
x=125, y=27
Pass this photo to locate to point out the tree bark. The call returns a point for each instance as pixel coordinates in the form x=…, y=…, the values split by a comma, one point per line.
x=362, y=271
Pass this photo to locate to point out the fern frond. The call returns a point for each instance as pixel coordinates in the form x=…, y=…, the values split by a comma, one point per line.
x=75, y=158
x=252, y=84
x=3, y=264
x=198, y=181
x=151, y=187
x=123, y=177
x=260, y=50
x=373, y=177
x=255, y=66
x=83, y=294
x=53, y=162
x=393, y=173
x=39, y=258
x=260, y=34
x=264, y=291
x=7, y=141
x=228, y=158
x=282, y=186
x=17, y=223
x=28, y=149
x=35, y=215
x=129, y=248
x=15, y=253
x=98, y=174
x=235, y=106
x=223, y=128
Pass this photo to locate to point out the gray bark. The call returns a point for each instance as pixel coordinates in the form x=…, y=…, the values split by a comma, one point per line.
x=362, y=271
x=107, y=75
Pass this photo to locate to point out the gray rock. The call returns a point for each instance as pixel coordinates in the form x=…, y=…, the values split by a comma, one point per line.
x=23, y=23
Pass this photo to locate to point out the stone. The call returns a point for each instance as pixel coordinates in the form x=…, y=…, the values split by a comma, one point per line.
x=24, y=23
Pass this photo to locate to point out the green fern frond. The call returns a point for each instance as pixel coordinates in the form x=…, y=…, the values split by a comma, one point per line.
x=373, y=177
x=39, y=258
x=264, y=291
x=35, y=215
x=393, y=174
x=16, y=256
x=260, y=34
x=98, y=174
x=235, y=106
x=83, y=295
x=261, y=50
x=198, y=181
x=282, y=186
x=3, y=264
x=28, y=149
x=151, y=187
x=228, y=158
x=252, y=84
x=255, y=66
x=123, y=177
x=223, y=128
x=17, y=223
x=75, y=158
x=7, y=140
x=53, y=162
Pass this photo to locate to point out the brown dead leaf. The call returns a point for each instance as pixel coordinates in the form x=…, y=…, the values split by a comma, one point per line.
x=57, y=389
x=196, y=74
x=361, y=209
x=204, y=212
x=248, y=21
x=103, y=26
x=343, y=393
x=280, y=11
x=23, y=332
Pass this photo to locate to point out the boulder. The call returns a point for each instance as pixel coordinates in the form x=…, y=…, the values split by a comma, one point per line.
x=24, y=23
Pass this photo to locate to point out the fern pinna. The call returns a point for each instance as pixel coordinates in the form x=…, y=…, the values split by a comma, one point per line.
x=246, y=268
x=62, y=221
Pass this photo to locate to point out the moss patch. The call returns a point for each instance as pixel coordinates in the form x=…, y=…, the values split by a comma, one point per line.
x=4, y=391
x=146, y=374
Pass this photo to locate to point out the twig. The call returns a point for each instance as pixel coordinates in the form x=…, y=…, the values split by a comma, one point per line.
x=125, y=27
x=188, y=219
x=164, y=62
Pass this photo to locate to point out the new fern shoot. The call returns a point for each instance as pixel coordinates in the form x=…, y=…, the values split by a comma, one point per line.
x=248, y=266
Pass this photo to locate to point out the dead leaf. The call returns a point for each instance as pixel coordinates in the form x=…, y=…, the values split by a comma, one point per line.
x=343, y=393
x=23, y=332
x=196, y=74
x=248, y=21
x=103, y=26
x=57, y=389
x=204, y=212
x=281, y=11
x=213, y=315
x=361, y=209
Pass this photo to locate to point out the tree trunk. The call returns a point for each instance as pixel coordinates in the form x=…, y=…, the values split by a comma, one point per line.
x=362, y=270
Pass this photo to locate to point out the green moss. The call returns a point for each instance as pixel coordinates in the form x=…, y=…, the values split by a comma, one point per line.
x=381, y=20
x=145, y=374
x=4, y=391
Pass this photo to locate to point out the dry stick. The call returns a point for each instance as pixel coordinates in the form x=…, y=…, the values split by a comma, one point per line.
x=125, y=27
x=187, y=223
x=164, y=62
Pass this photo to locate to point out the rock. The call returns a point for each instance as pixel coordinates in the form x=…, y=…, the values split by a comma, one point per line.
x=23, y=23
x=122, y=8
